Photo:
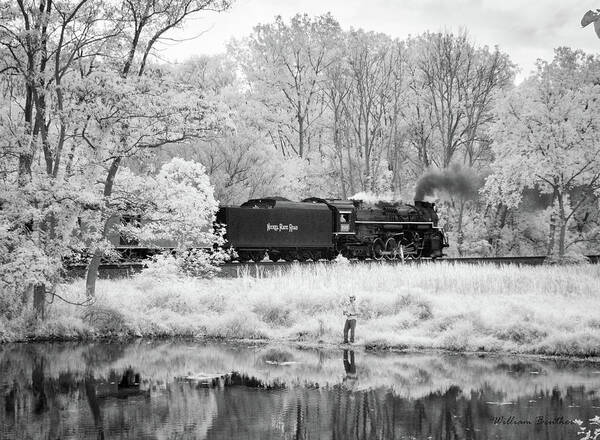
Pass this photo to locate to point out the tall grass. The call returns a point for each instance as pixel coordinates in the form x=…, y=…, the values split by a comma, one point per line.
x=547, y=310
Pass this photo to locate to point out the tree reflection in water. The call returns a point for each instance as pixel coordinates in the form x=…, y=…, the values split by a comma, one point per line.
x=97, y=392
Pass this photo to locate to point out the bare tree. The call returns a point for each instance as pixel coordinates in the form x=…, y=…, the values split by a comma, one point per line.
x=454, y=85
x=457, y=87
x=285, y=65
x=371, y=108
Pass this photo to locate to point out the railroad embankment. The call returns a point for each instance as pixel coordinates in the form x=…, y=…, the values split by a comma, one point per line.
x=551, y=310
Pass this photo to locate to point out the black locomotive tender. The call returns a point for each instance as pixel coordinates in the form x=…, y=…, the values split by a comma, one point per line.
x=317, y=228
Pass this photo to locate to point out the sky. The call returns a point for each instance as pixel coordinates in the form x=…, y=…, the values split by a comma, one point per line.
x=525, y=31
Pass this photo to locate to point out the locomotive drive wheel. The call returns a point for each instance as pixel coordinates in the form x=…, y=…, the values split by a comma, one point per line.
x=412, y=247
x=377, y=249
x=391, y=249
x=244, y=257
x=409, y=251
x=289, y=256
x=302, y=256
x=257, y=256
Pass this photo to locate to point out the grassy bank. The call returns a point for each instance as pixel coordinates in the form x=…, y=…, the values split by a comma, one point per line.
x=545, y=310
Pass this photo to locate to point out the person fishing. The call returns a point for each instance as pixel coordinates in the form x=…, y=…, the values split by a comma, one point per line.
x=351, y=313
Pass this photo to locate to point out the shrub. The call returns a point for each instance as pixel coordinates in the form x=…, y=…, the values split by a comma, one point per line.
x=11, y=302
x=104, y=319
x=274, y=313
x=316, y=328
x=458, y=338
x=161, y=268
x=236, y=325
x=214, y=302
x=61, y=329
x=420, y=307
x=591, y=432
x=520, y=334
x=567, y=259
x=579, y=343
x=201, y=263
x=5, y=334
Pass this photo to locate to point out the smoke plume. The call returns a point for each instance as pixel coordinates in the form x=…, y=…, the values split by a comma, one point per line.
x=454, y=181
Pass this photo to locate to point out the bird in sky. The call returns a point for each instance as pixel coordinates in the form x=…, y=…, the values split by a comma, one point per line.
x=592, y=17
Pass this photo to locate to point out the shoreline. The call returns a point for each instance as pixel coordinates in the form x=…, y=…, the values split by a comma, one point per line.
x=307, y=345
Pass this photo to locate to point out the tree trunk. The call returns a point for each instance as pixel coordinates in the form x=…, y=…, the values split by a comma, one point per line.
x=498, y=224
x=25, y=160
x=342, y=175
x=502, y=217
x=92, y=270
x=339, y=150
x=563, y=225
x=552, y=233
x=92, y=273
x=300, y=136
x=350, y=174
x=368, y=184
x=460, y=235
x=39, y=300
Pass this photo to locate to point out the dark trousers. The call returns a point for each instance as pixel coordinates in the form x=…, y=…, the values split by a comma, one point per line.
x=349, y=325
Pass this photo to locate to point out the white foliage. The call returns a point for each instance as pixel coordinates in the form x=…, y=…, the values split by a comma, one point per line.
x=546, y=138
x=590, y=432
x=177, y=205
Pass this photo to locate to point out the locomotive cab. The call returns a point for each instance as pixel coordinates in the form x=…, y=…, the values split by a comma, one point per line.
x=345, y=218
x=344, y=221
x=343, y=215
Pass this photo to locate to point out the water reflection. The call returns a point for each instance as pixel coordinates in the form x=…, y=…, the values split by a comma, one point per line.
x=350, y=369
x=99, y=391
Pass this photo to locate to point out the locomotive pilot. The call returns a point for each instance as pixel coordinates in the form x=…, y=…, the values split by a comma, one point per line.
x=351, y=313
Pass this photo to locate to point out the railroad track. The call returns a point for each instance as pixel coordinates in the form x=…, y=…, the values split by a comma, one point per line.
x=233, y=270
x=109, y=270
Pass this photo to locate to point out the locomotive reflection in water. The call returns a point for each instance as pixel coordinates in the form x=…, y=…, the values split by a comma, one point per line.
x=318, y=228
x=94, y=391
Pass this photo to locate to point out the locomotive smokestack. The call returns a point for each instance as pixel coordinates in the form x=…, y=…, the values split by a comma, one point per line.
x=455, y=181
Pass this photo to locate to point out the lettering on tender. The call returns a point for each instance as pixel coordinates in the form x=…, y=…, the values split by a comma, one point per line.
x=281, y=227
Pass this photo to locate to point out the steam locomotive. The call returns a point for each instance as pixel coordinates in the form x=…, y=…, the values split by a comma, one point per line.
x=318, y=228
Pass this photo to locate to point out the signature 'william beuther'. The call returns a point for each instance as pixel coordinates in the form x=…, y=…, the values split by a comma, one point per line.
x=539, y=420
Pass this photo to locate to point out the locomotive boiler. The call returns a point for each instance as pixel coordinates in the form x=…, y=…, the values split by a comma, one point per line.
x=317, y=228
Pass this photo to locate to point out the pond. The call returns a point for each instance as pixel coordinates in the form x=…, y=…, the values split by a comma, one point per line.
x=190, y=390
